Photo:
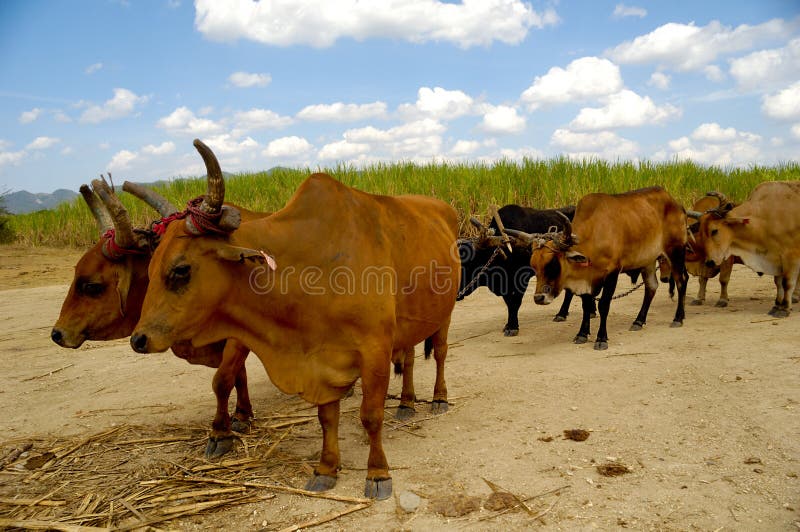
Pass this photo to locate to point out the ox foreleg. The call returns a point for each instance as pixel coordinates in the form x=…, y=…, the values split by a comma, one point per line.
x=650, y=287
x=609, y=286
x=513, y=301
x=725, y=270
x=702, y=280
x=220, y=441
x=563, y=312
x=374, y=385
x=329, y=462
x=589, y=308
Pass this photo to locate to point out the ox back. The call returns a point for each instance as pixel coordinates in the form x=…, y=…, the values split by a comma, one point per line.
x=508, y=276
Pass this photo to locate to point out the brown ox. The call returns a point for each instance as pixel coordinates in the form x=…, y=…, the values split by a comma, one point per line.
x=105, y=298
x=764, y=231
x=696, y=252
x=343, y=280
x=611, y=234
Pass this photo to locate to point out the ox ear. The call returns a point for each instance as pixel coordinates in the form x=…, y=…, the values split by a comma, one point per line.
x=239, y=254
x=733, y=221
x=576, y=257
x=125, y=275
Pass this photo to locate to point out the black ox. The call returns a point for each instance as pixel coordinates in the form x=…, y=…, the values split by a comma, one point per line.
x=509, y=273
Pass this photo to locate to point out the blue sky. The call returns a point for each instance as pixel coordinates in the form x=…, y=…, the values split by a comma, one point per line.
x=124, y=86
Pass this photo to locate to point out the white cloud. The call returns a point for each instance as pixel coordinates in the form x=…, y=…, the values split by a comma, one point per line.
x=342, y=150
x=255, y=119
x=321, y=24
x=687, y=47
x=162, y=149
x=419, y=128
x=342, y=112
x=603, y=145
x=288, y=148
x=502, y=120
x=8, y=158
x=26, y=117
x=91, y=69
x=624, y=109
x=122, y=160
x=121, y=105
x=714, y=133
x=796, y=131
x=584, y=78
x=659, y=80
x=785, y=105
x=60, y=116
x=245, y=80
x=521, y=153
x=42, y=143
x=183, y=121
x=465, y=147
x=439, y=104
x=67, y=151
x=767, y=67
x=714, y=73
x=228, y=145
x=621, y=10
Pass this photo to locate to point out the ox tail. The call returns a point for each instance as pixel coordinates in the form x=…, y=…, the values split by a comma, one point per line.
x=398, y=368
x=428, y=347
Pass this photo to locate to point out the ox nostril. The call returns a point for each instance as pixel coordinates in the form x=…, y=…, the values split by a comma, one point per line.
x=538, y=299
x=139, y=342
x=57, y=336
x=710, y=263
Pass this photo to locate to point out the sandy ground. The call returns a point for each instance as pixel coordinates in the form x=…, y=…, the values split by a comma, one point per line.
x=705, y=417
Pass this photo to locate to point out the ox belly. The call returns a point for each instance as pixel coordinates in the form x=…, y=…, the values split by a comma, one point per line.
x=767, y=263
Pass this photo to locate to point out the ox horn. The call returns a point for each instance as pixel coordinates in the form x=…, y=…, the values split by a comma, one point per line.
x=104, y=221
x=527, y=238
x=694, y=214
x=151, y=197
x=216, y=184
x=123, y=234
x=567, y=237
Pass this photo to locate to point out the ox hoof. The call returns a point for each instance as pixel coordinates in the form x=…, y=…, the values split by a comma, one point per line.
x=600, y=345
x=404, y=412
x=795, y=299
x=581, y=339
x=722, y=303
x=439, y=407
x=676, y=324
x=636, y=326
x=593, y=315
x=320, y=483
x=780, y=313
x=559, y=317
x=378, y=488
x=510, y=332
x=697, y=302
x=242, y=427
x=218, y=446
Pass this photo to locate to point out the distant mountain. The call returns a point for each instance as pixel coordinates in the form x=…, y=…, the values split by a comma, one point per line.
x=22, y=202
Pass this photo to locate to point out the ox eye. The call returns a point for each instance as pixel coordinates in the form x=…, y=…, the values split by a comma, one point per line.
x=179, y=276
x=92, y=289
x=714, y=232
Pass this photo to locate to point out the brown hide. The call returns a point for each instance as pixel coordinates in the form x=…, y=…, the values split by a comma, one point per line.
x=356, y=277
x=764, y=232
x=616, y=233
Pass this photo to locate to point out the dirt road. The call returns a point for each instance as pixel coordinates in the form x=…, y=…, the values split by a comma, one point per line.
x=705, y=416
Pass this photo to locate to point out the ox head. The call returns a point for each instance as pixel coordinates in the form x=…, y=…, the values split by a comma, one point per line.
x=190, y=271
x=716, y=230
x=475, y=253
x=696, y=245
x=551, y=254
x=105, y=297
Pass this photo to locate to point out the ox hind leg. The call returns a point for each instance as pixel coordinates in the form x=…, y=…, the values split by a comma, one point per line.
x=609, y=285
x=650, y=287
x=374, y=385
x=702, y=280
x=677, y=257
x=405, y=410
x=230, y=371
x=438, y=342
x=786, y=285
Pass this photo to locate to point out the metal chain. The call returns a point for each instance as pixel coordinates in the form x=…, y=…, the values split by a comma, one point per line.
x=623, y=294
x=481, y=272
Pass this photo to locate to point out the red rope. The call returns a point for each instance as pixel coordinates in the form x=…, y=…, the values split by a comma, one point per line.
x=114, y=251
x=203, y=221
